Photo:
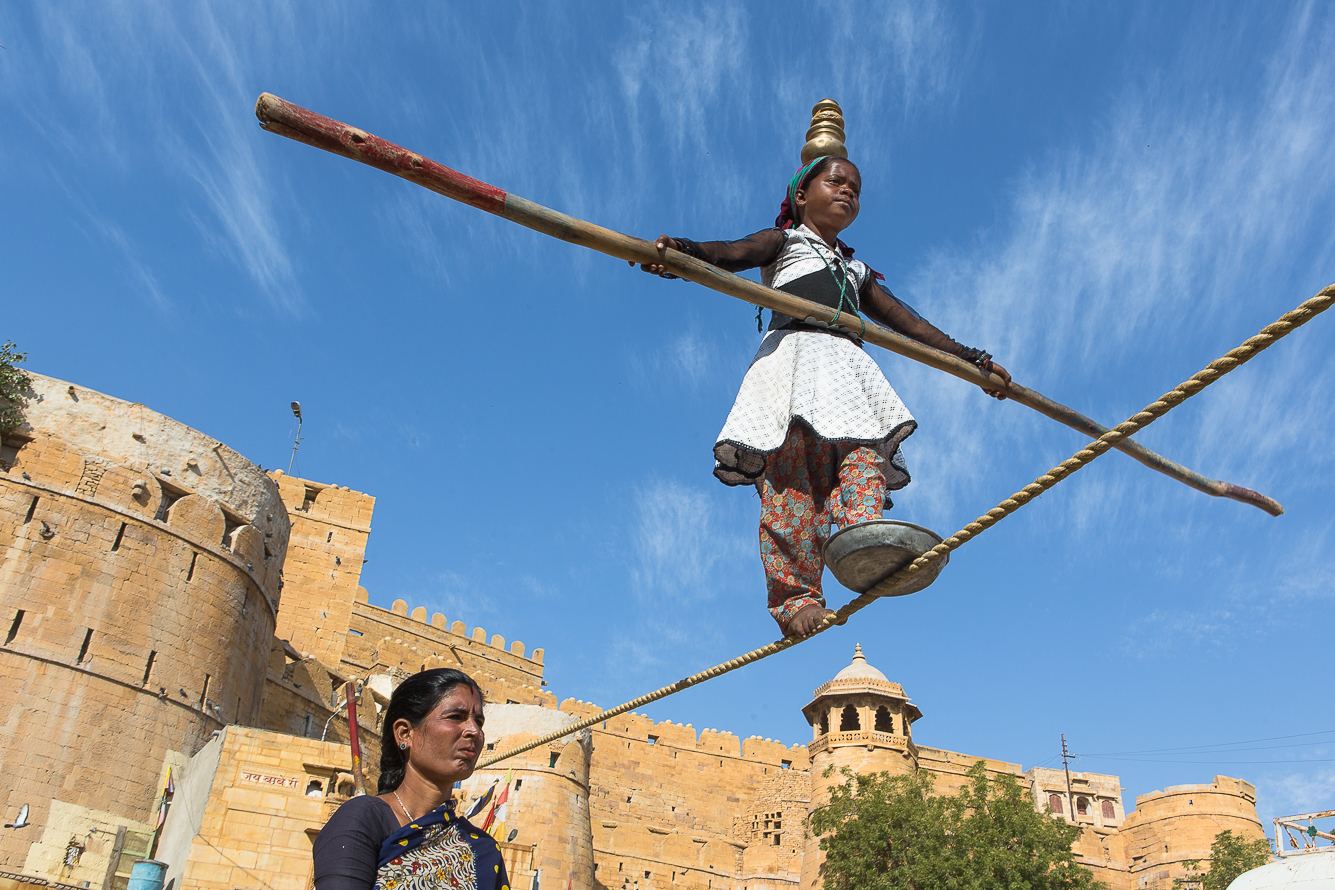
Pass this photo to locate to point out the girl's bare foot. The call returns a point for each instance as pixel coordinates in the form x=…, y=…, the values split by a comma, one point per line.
x=807, y=619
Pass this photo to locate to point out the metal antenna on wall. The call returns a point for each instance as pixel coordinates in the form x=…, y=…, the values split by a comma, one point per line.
x=296, y=412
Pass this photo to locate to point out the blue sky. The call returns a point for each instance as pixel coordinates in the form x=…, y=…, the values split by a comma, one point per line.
x=1107, y=197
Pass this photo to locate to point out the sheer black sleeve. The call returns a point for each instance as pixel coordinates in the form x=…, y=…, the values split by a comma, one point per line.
x=736, y=256
x=884, y=307
x=347, y=850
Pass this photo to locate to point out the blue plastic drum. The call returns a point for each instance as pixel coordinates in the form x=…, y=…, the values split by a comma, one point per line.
x=147, y=874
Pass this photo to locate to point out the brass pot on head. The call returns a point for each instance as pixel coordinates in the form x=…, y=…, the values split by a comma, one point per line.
x=826, y=136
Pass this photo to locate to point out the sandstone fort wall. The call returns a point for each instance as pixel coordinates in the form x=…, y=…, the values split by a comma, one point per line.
x=159, y=594
x=267, y=797
x=138, y=597
x=1179, y=823
x=392, y=643
x=323, y=569
x=547, y=827
x=673, y=809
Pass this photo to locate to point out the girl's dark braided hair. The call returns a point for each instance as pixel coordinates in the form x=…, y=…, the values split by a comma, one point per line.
x=413, y=700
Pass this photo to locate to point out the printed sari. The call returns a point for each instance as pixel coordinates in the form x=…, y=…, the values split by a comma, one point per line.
x=438, y=851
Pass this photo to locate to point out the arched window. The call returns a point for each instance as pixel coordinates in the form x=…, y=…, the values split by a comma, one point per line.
x=1109, y=812
x=884, y=722
x=824, y=724
x=1055, y=803
x=1081, y=806
x=315, y=789
x=848, y=719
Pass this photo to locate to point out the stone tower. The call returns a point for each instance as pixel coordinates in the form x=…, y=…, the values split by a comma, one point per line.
x=860, y=721
x=139, y=576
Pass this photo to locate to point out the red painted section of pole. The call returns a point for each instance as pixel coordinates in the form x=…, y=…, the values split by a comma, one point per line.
x=304, y=125
x=350, y=690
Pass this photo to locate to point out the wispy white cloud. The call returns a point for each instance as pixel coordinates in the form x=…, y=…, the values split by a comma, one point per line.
x=1179, y=212
x=1296, y=790
x=456, y=594
x=206, y=51
x=678, y=61
x=880, y=62
x=915, y=55
x=141, y=271
x=688, y=359
x=680, y=538
x=1260, y=598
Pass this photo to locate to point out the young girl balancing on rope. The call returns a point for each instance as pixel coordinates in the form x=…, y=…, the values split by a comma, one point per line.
x=816, y=427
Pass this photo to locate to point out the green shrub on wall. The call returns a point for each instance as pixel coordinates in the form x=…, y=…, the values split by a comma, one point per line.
x=14, y=386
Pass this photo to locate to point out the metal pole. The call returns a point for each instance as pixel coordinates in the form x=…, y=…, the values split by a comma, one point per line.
x=1070, y=801
x=296, y=409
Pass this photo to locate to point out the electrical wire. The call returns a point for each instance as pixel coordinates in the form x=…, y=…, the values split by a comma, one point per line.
x=1189, y=748
x=1149, y=760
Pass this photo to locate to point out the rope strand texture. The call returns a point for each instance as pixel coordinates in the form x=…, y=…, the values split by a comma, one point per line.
x=1212, y=372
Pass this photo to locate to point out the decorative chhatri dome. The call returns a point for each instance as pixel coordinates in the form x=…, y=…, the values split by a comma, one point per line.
x=860, y=677
x=862, y=685
x=859, y=669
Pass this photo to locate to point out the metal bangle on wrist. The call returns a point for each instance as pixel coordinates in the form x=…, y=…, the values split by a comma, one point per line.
x=977, y=358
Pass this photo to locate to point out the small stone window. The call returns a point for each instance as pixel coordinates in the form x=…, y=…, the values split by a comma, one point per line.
x=848, y=719
x=884, y=722
x=1081, y=806
x=1055, y=803
x=1109, y=811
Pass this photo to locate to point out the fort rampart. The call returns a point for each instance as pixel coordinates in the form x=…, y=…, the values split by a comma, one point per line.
x=138, y=596
x=167, y=605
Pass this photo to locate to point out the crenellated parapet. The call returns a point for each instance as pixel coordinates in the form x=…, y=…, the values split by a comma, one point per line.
x=395, y=642
x=683, y=737
x=687, y=833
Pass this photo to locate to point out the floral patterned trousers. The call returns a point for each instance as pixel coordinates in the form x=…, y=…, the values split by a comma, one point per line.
x=809, y=484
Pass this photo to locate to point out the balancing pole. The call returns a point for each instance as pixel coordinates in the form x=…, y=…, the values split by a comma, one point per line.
x=358, y=777
x=286, y=119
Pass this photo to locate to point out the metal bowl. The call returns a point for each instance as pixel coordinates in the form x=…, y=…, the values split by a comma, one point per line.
x=864, y=554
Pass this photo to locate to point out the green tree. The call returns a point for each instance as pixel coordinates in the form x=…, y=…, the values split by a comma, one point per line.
x=887, y=832
x=1230, y=855
x=13, y=387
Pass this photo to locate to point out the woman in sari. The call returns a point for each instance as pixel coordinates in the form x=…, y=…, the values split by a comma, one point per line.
x=408, y=837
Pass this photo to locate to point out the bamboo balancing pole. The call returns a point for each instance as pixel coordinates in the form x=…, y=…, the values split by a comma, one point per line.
x=286, y=119
x=358, y=777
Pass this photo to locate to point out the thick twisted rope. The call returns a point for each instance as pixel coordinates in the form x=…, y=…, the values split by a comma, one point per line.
x=1152, y=412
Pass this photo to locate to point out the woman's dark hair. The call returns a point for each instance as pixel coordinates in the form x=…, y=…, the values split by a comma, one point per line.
x=415, y=698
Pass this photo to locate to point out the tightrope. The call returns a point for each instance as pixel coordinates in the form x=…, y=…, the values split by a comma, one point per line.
x=1235, y=358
